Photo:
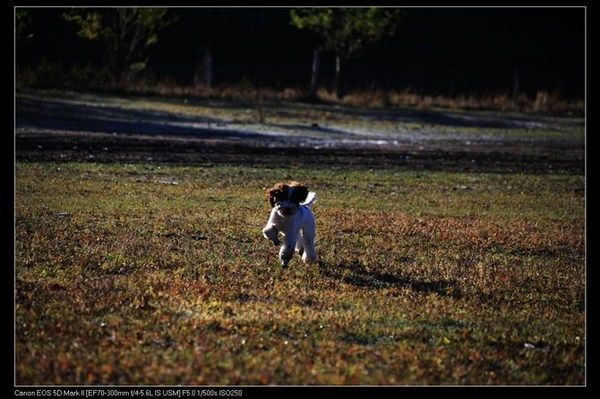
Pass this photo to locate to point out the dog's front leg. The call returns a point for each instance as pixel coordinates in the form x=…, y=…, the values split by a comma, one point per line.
x=270, y=231
x=287, y=249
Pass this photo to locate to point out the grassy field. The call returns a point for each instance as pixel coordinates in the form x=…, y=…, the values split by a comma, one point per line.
x=157, y=274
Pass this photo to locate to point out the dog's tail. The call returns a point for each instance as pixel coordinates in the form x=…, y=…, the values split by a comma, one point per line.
x=310, y=199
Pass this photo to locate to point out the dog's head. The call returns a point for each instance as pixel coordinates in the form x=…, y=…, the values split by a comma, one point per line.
x=287, y=197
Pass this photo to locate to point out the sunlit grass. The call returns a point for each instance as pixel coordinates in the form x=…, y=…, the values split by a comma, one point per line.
x=159, y=274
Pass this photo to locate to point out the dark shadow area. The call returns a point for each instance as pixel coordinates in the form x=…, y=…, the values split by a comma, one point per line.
x=72, y=114
x=77, y=116
x=76, y=130
x=57, y=146
x=356, y=274
x=315, y=127
x=446, y=118
x=48, y=114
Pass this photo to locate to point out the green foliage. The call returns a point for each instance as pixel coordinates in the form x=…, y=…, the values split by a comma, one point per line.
x=347, y=30
x=23, y=24
x=126, y=34
x=88, y=23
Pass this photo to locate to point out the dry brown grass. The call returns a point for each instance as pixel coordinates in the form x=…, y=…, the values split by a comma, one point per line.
x=125, y=279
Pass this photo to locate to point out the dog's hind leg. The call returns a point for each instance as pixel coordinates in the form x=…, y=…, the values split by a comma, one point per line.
x=300, y=244
x=310, y=253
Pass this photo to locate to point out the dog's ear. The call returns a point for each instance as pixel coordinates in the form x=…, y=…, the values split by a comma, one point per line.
x=299, y=192
x=277, y=192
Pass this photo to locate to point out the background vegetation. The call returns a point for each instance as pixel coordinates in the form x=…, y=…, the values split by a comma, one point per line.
x=520, y=59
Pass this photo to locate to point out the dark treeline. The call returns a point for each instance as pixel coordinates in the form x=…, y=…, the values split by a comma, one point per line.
x=446, y=51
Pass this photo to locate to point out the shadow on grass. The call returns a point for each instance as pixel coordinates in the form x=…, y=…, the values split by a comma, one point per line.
x=356, y=274
x=75, y=117
x=75, y=131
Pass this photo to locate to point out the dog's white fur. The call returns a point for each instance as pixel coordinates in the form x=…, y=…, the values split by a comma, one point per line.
x=298, y=229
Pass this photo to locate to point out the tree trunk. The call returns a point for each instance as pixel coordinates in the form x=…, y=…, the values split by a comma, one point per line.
x=208, y=73
x=314, y=80
x=204, y=70
x=516, y=84
x=338, y=84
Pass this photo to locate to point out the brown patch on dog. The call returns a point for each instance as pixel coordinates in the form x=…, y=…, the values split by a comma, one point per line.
x=277, y=193
x=280, y=192
x=299, y=192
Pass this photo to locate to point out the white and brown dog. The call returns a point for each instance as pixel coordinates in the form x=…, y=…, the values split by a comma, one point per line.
x=293, y=218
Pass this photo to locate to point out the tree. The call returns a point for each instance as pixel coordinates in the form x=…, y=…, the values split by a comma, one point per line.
x=345, y=31
x=209, y=30
x=22, y=24
x=126, y=35
x=23, y=30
